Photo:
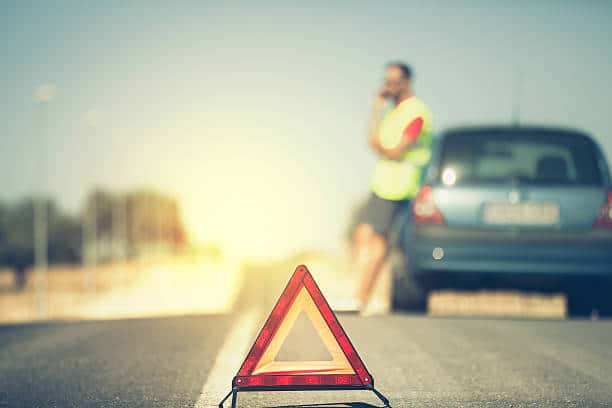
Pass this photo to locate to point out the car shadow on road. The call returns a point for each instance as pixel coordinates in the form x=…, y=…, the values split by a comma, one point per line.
x=331, y=405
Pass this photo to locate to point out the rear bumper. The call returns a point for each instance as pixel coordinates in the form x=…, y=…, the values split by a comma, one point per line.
x=512, y=255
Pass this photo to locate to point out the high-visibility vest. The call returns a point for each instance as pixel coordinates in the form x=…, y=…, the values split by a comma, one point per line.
x=401, y=179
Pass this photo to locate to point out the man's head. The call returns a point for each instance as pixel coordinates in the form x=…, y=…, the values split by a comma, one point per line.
x=398, y=77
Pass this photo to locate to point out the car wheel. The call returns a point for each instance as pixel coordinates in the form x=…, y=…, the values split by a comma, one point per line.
x=579, y=303
x=604, y=301
x=407, y=293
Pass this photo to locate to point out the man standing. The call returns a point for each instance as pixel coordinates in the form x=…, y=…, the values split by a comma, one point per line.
x=401, y=137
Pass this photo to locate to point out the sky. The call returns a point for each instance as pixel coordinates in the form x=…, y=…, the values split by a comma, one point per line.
x=254, y=114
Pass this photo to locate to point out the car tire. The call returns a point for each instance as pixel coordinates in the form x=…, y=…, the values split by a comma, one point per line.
x=579, y=303
x=407, y=292
x=604, y=301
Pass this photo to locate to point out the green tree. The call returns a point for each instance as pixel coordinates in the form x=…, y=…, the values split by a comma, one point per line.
x=17, y=237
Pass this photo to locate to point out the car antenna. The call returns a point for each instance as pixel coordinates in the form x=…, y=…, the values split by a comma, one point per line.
x=516, y=110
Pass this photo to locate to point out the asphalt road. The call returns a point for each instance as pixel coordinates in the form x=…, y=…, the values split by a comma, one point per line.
x=415, y=361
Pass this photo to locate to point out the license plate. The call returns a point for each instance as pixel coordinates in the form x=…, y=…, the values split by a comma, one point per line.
x=527, y=213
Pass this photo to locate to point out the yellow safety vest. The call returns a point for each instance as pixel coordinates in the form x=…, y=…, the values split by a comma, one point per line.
x=401, y=179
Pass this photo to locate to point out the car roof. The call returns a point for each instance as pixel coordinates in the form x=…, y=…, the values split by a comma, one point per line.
x=516, y=129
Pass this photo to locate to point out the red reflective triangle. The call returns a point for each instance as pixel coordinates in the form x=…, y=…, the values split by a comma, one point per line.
x=260, y=370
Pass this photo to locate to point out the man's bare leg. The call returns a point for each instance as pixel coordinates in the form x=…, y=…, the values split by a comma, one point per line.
x=369, y=255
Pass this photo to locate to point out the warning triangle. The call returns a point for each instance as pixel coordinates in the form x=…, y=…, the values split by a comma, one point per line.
x=261, y=370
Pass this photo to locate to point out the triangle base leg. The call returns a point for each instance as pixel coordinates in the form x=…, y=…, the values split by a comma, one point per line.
x=234, y=394
x=380, y=396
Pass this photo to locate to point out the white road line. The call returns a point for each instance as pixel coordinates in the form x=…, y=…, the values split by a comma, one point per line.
x=230, y=356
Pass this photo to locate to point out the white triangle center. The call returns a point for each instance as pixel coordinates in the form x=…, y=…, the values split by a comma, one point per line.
x=337, y=365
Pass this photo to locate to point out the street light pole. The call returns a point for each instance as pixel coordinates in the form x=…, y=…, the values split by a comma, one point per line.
x=92, y=121
x=90, y=244
x=119, y=233
x=518, y=91
x=43, y=95
x=41, y=254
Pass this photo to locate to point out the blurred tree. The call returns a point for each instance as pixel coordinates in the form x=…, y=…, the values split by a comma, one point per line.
x=17, y=237
x=152, y=223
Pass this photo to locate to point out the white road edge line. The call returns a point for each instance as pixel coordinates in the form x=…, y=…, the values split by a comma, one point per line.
x=230, y=356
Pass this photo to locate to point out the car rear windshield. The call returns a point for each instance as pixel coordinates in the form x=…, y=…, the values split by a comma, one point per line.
x=511, y=156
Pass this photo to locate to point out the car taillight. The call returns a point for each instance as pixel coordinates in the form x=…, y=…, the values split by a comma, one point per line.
x=424, y=210
x=604, y=219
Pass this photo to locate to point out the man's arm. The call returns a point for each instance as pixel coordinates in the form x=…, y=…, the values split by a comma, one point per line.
x=374, y=125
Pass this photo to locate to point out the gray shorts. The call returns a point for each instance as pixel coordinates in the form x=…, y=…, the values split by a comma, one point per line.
x=385, y=215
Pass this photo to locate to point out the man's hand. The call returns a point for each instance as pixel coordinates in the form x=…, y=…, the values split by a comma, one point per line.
x=380, y=100
x=378, y=104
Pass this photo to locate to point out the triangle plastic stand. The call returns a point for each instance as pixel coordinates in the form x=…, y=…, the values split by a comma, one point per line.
x=261, y=372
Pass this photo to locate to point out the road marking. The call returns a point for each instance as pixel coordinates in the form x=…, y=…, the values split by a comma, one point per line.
x=229, y=358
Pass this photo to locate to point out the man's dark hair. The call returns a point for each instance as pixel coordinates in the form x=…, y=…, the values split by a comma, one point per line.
x=405, y=68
